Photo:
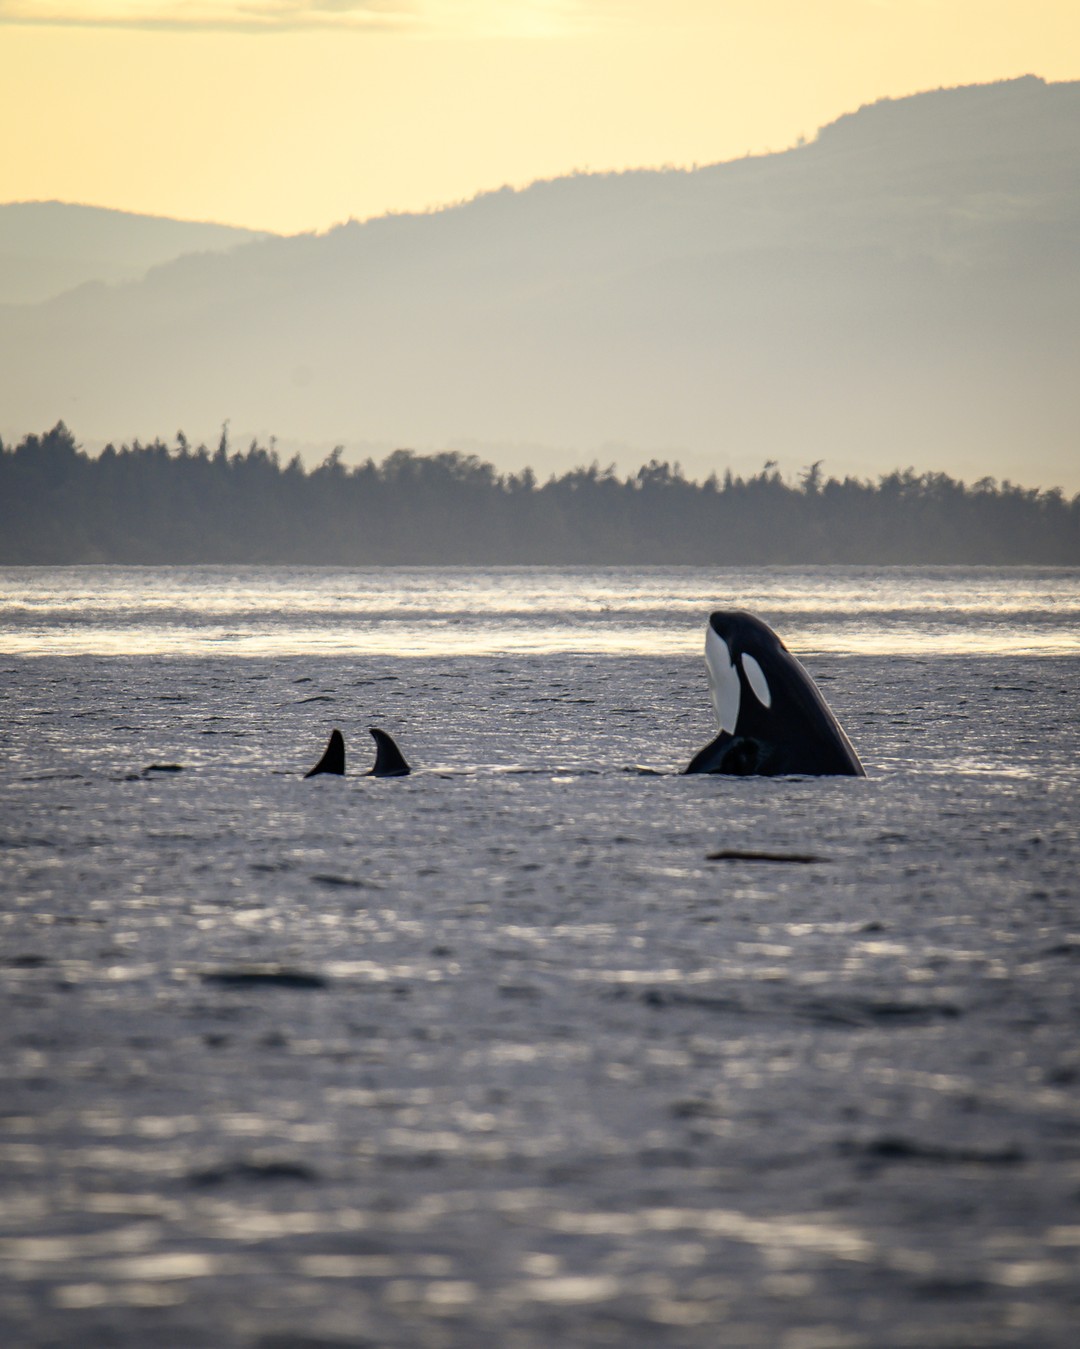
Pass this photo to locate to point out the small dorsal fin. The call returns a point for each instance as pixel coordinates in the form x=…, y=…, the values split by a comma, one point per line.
x=389, y=760
x=333, y=759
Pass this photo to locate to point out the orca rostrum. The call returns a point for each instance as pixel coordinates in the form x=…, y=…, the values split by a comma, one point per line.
x=772, y=717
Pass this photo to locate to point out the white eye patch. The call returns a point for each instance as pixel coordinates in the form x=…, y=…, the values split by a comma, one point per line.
x=755, y=677
x=723, y=681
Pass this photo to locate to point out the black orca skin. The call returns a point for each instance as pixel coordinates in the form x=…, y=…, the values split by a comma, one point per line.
x=389, y=760
x=333, y=759
x=772, y=717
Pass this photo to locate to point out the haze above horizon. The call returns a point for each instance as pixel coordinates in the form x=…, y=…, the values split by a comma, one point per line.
x=294, y=115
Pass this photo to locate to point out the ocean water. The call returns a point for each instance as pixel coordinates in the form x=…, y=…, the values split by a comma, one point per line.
x=421, y=611
x=495, y=1054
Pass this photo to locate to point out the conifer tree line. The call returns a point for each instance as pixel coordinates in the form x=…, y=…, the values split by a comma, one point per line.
x=156, y=504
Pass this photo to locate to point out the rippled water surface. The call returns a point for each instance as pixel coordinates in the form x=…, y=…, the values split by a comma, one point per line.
x=496, y=1054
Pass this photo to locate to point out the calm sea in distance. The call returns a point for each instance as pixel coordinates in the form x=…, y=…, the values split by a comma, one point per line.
x=269, y=611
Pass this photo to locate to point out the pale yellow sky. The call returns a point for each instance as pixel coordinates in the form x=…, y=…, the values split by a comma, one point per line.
x=296, y=114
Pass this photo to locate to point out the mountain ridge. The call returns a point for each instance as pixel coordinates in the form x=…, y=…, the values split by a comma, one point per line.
x=904, y=288
x=48, y=247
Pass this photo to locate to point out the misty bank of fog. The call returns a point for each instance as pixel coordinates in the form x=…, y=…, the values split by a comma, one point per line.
x=154, y=504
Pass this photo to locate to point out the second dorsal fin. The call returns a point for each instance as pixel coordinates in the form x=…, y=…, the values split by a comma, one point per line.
x=389, y=760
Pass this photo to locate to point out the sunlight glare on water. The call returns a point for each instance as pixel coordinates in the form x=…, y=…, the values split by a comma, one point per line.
x=259, y=611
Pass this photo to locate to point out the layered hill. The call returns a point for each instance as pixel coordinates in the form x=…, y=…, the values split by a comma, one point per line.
x=905, y=289
x=48, y=247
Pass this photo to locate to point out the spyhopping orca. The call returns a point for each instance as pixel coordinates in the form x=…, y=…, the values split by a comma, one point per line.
x=772, y=717
x=333, y=759
x=389, y=760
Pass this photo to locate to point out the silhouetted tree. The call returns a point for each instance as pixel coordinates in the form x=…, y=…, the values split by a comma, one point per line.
x=152, y=504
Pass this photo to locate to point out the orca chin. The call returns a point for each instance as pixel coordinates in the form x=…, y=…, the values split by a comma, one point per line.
x=333, y=759
x=771, y=716
x=389, y=760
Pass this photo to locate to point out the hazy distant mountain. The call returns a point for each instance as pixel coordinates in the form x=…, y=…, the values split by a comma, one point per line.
x=903, y=290
x=47, y=247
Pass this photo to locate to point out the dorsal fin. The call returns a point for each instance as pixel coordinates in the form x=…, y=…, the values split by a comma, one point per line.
x=389, y=760
x=333, y=759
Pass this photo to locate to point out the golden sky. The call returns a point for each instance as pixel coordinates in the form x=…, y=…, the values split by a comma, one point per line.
x=296, y=114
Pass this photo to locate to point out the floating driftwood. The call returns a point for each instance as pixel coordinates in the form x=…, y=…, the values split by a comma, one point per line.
x=737, y=855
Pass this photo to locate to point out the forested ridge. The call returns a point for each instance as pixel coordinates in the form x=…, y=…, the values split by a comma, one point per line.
x=161, y=504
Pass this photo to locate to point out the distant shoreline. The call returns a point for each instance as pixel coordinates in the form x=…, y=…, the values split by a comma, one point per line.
x=158, y=505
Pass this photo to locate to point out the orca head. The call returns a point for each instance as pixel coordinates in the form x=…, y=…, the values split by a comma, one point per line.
x=738, y=651
x=771, y=715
